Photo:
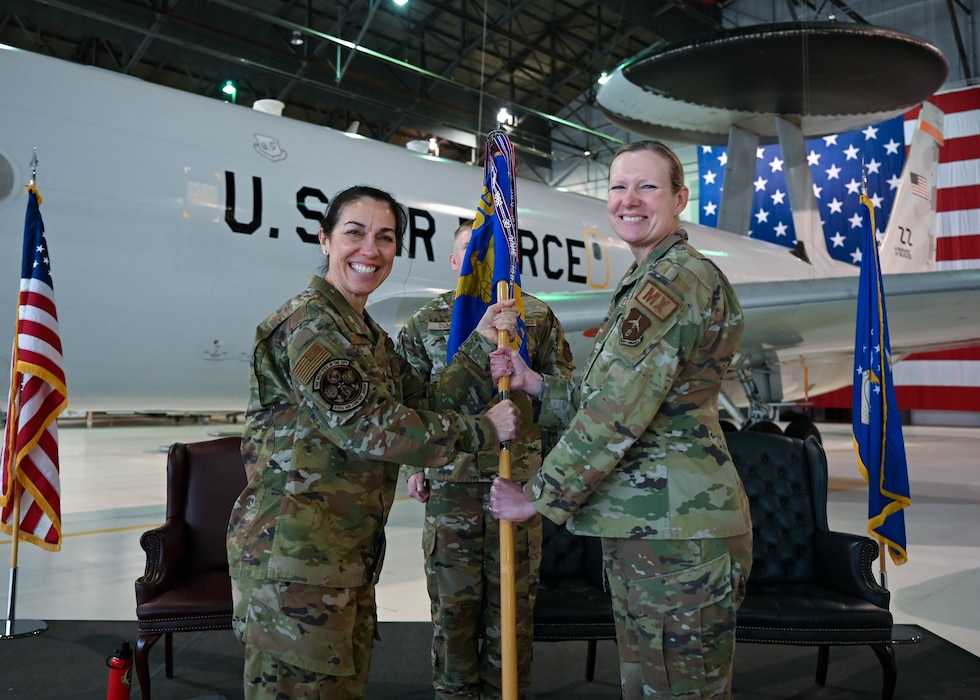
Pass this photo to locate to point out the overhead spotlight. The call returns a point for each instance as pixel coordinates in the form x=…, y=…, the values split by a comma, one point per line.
x=297, y=39
x=505, y=117
x=433, y=146
x=400, y=2
x=604, y=78
x=230, y=91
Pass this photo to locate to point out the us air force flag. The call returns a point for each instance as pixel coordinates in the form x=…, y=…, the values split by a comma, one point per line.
x=493, y=253
x=877, y=426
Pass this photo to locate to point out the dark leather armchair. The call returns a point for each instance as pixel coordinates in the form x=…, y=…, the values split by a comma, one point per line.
x=808, y=585
x=572, y=603
x=186, y=586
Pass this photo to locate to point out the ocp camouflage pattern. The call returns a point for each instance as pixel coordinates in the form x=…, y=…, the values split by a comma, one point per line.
x=644, y=455
x=324, y=438
x=423, y=340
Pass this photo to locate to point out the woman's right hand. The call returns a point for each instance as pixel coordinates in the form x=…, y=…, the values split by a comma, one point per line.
x=507, y=362
x=505, y=417
x=508, y=502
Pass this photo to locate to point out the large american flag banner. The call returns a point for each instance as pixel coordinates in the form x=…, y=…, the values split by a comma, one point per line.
x=947, y=380
x=31, y=484
x=835, y=167
x=950, y=379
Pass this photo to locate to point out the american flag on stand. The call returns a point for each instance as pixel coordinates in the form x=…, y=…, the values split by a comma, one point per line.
x=30, y=499
x=946, y=380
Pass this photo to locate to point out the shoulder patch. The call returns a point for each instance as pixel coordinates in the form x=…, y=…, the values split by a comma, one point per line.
x=340, y=384
x=633, y=326
x=309, y=362
x=656, y=299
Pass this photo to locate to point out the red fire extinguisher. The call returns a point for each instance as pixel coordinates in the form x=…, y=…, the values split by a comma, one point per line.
x=120, y=673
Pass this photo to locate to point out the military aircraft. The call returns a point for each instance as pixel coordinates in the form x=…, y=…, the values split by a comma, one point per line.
x=176, y=223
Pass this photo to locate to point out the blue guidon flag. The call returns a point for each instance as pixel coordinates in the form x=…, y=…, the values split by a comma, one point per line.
x=493, y=253
x=876, y=423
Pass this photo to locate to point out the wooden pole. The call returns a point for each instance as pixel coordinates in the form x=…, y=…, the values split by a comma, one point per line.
x=508, y=600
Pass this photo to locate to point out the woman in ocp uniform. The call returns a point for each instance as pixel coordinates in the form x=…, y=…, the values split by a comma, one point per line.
x=332, y=414
x=643, y=462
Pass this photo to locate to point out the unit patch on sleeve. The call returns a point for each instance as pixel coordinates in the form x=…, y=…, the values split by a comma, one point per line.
x=657, y=300
x=340, y=385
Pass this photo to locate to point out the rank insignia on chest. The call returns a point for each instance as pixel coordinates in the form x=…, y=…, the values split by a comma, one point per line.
x=340, y=384
x=634, y=325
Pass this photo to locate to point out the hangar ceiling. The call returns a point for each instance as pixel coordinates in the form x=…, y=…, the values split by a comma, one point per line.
x=432, y=68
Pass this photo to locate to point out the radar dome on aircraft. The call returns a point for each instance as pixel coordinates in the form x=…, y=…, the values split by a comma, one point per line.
x=830, y=77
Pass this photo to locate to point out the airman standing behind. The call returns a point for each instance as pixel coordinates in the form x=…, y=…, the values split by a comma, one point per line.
x=460, y=537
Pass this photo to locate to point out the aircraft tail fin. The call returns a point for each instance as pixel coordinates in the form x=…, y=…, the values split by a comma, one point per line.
x=909, y=244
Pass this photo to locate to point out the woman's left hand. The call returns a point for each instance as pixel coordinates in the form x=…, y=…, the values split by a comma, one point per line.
x=501, y=316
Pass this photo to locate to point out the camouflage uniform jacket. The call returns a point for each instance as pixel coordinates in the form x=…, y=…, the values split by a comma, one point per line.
x=423, y=342
x=643, y=455
x=327, y=425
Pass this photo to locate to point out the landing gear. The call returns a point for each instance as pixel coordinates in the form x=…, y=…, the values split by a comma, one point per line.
x=764, y=401
x=765, y=426
x=802, y=427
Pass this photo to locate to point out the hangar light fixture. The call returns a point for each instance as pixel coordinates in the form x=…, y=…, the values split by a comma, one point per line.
x=604, y=78
x=230, y=91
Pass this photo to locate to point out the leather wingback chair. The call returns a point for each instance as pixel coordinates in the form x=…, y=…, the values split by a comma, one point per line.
x=186, y=586
x=572, y=602
x=808, y=585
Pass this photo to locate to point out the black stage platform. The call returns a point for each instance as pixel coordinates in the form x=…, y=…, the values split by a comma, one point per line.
x=68, y=661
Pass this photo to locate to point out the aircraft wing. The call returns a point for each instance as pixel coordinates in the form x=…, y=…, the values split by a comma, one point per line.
x=580, y=314
x=816, y=318
x=807, y=326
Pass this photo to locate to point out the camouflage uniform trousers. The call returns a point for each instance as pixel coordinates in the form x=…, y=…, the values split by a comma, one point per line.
x=304, y=641
x=674, y=603
x=461, y=541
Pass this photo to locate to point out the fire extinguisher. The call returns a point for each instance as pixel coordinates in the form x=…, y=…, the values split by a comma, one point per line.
x=120, y=673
